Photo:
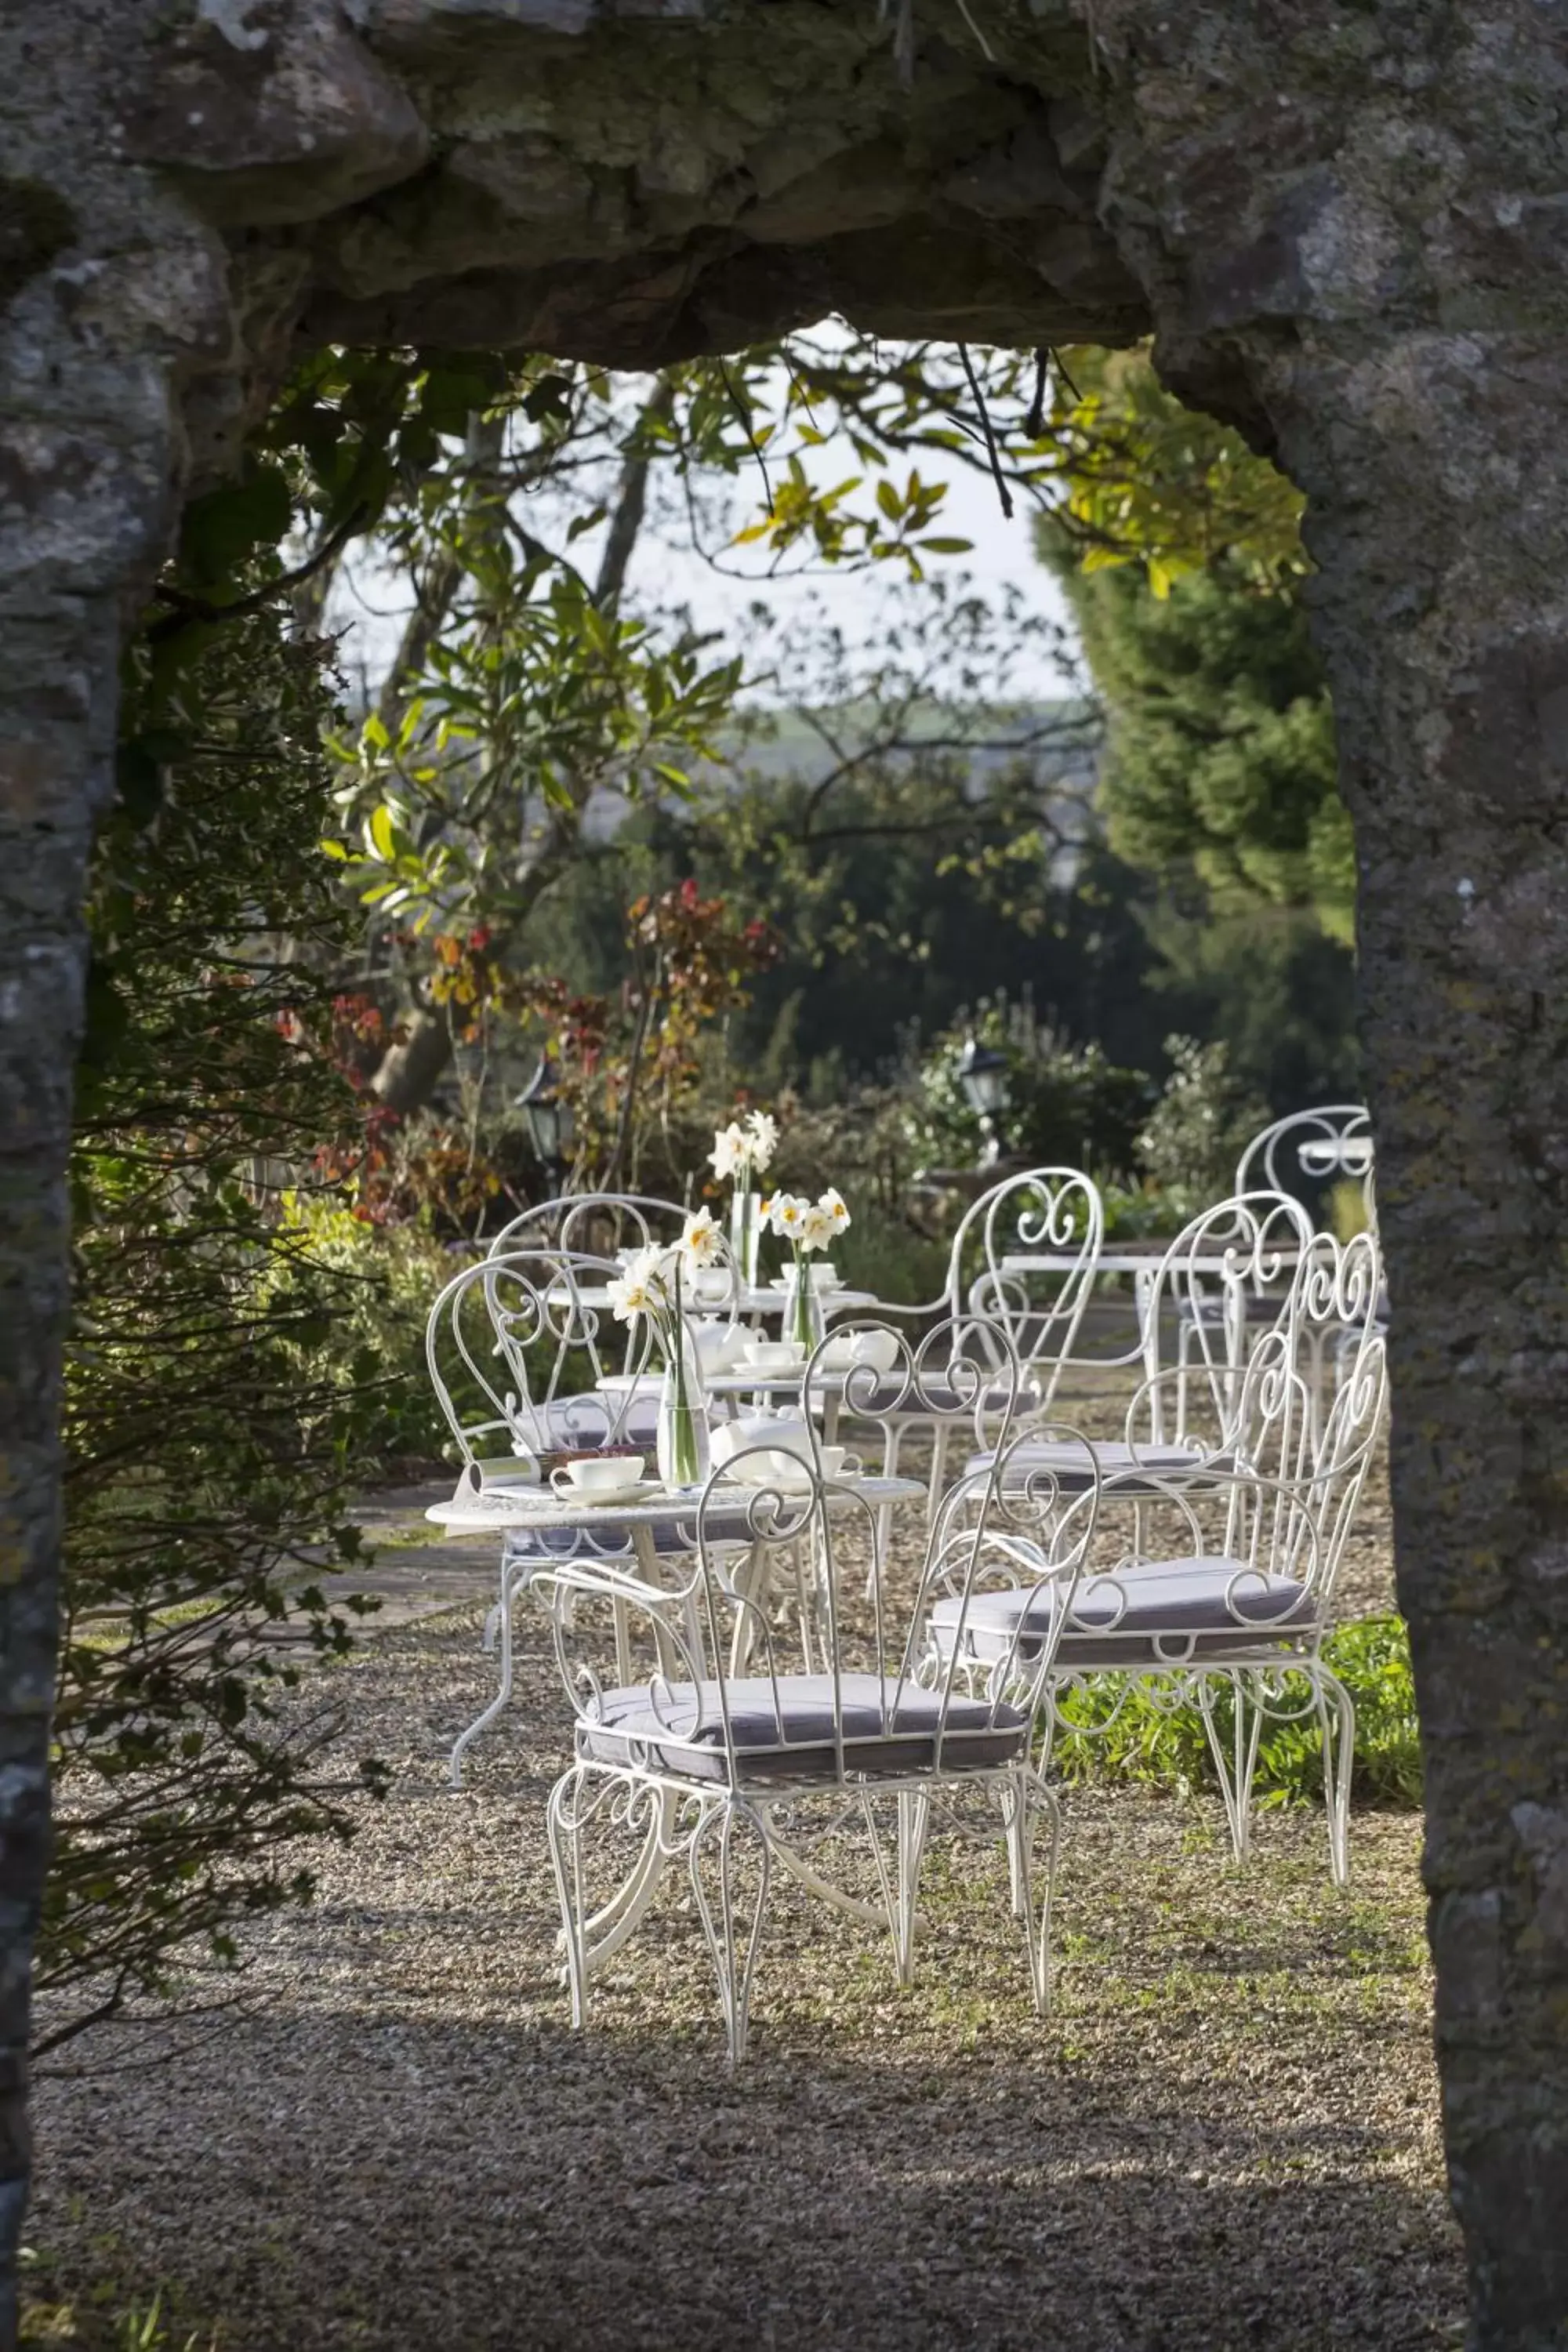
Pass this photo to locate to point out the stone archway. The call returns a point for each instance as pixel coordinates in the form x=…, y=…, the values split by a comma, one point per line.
x=1343, y=221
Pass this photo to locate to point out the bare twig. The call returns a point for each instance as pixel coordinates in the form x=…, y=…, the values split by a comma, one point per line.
x=991, y=451
x=1035, y=422
x=186, y=607
x=744, y=413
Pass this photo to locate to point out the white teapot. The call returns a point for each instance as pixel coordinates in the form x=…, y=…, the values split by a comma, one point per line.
x=718, y=1343
x=785, y=1434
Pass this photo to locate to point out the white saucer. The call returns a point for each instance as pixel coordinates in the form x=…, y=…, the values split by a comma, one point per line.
x=643, y=1490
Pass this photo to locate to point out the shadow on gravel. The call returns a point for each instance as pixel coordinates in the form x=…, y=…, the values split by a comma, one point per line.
x=497, y=2189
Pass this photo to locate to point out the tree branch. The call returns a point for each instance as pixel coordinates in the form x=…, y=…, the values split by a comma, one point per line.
x=187, y=608
x=631, y=498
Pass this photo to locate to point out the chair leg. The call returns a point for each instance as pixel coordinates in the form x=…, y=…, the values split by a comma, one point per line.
x=1237, y=1770
x=1019, y=1839
x=564, y=1826
x=733, y=1966
x=938, y=1467
x=900, y=1892
x=1336, y=1715
x=1027, y=1796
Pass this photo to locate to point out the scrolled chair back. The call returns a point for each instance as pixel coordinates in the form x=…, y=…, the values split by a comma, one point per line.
x=829, y=1700
x=1024, y=1262
x=1222, y=1285
x=1340, y=1304
x=505, y=1337
x=1307, y=1152
x=965, y=1371
x=615, y=1225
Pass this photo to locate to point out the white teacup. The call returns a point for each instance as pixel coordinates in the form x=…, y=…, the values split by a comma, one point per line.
x=597, y=1473
x=773, y=1355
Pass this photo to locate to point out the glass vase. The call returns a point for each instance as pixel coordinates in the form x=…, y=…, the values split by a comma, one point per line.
x=681, y=1441
x=803, y=1320
x=746, y=1235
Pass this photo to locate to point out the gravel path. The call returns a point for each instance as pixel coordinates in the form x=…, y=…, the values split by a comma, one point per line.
x=1224, y=2136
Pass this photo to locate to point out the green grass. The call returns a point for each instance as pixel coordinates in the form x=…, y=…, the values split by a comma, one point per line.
x=1127, y=1737
x=102, y=2319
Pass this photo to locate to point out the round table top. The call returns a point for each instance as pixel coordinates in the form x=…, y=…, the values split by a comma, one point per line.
x=766, y=1298
x=517, y=1505
x=1135, y=1257
x=739, y=1382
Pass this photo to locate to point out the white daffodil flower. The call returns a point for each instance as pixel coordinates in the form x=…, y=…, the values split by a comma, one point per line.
x=832, y=1206
x=762, y=1139
x=786, y=1212
x=817, y=1228
x=731, y=1151
x=638, y=1289
x=700, y=1238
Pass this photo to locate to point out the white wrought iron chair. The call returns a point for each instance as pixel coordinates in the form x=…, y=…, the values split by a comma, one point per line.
x=1226, y=1583
x=1221, y=1284
x=1309, y=1154
x=1020, y=1274
x=705, y=1765
x=509, y=1342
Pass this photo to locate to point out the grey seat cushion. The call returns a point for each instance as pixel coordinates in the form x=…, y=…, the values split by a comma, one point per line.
x=1163, y=1610
x=1061, y=1459
x=888, y=1727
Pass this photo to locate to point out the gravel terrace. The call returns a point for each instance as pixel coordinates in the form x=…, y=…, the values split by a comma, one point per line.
x=1225, y=2135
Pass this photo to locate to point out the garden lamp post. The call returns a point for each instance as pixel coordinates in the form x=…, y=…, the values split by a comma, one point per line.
x=983, y=1074
x=549, y=1120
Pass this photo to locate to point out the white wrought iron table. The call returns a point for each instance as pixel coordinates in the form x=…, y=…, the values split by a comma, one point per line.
x=1142, y=1262
x=514, y=1504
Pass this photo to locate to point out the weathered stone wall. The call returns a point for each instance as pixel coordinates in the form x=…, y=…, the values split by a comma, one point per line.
x=1346, y=221
x=1365, y=208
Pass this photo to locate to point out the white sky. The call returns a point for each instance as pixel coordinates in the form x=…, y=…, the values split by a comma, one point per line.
x=668, y=574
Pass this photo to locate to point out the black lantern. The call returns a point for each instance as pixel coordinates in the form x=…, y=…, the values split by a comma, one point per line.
x=983, y=1074
x=549, y=1119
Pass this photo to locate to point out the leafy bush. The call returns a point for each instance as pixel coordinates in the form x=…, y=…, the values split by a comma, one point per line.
x=1066, y=1103
x=1138, y=1740
x=371, y=1349
x=209, y=1473
x=1200, y=1125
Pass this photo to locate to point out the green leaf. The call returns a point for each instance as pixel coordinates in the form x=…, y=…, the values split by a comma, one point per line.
x=223, y=528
